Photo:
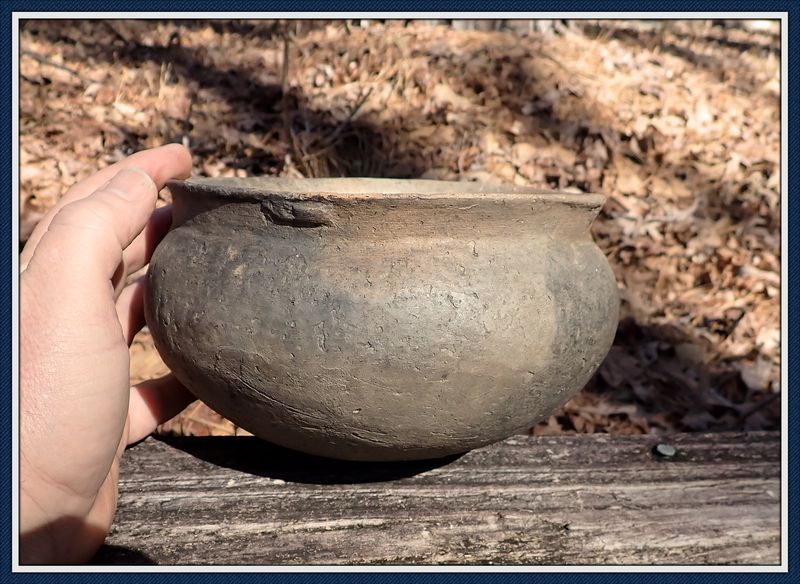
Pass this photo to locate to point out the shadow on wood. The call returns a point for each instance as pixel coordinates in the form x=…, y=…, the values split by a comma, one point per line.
x=110, y=555
x=587, y=499
x=257, y=457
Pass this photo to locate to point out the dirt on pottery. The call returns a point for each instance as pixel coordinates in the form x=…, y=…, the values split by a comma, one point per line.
x=677, y=123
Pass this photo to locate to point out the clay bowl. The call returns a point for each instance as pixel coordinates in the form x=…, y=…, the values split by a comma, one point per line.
x=376, y=319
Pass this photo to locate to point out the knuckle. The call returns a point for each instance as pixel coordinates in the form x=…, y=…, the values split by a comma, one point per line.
x=92, y=217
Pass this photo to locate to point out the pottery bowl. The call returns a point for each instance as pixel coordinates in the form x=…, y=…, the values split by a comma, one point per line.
x=377, y=319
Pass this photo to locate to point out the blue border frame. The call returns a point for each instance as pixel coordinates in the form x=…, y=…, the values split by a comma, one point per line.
x=792, y=7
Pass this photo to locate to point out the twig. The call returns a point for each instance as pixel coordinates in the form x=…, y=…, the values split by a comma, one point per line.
x=328, y=142
x=564, y=67
x=45, y=61
x=459, y=161
x=753, y=409
x=287, y=120
x=331, y=139
x=112, y=29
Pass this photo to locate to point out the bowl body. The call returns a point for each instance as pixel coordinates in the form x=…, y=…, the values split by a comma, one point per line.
x=376, y=319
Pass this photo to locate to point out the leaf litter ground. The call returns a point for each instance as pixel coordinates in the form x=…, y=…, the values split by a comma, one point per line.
x=677, y=123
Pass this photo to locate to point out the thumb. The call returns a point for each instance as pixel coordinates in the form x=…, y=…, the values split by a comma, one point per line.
x=83, y=245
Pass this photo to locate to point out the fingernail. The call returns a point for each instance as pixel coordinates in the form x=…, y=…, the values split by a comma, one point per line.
x=131, y=184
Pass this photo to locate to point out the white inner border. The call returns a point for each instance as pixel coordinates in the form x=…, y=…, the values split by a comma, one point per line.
x=17, y=16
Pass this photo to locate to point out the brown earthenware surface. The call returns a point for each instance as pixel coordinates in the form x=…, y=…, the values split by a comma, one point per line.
x=379, y=319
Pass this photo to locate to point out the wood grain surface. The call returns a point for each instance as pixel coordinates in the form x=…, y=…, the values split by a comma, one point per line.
x=586, y=499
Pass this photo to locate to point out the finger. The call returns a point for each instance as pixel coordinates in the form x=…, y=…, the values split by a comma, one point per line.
x=162, y=164
x=130, y=309
x=82, y=248
x=154, y=402
x=138, y=253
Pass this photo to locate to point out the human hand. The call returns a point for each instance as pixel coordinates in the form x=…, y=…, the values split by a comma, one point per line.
x=77, y=409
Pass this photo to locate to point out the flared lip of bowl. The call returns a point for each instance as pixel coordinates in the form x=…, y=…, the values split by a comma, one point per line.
x=354, y=189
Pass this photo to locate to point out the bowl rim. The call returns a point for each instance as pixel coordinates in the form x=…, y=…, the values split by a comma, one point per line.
x=377, y=189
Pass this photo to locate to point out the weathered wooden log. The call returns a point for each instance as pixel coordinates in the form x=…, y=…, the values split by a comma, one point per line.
x=589, y=499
